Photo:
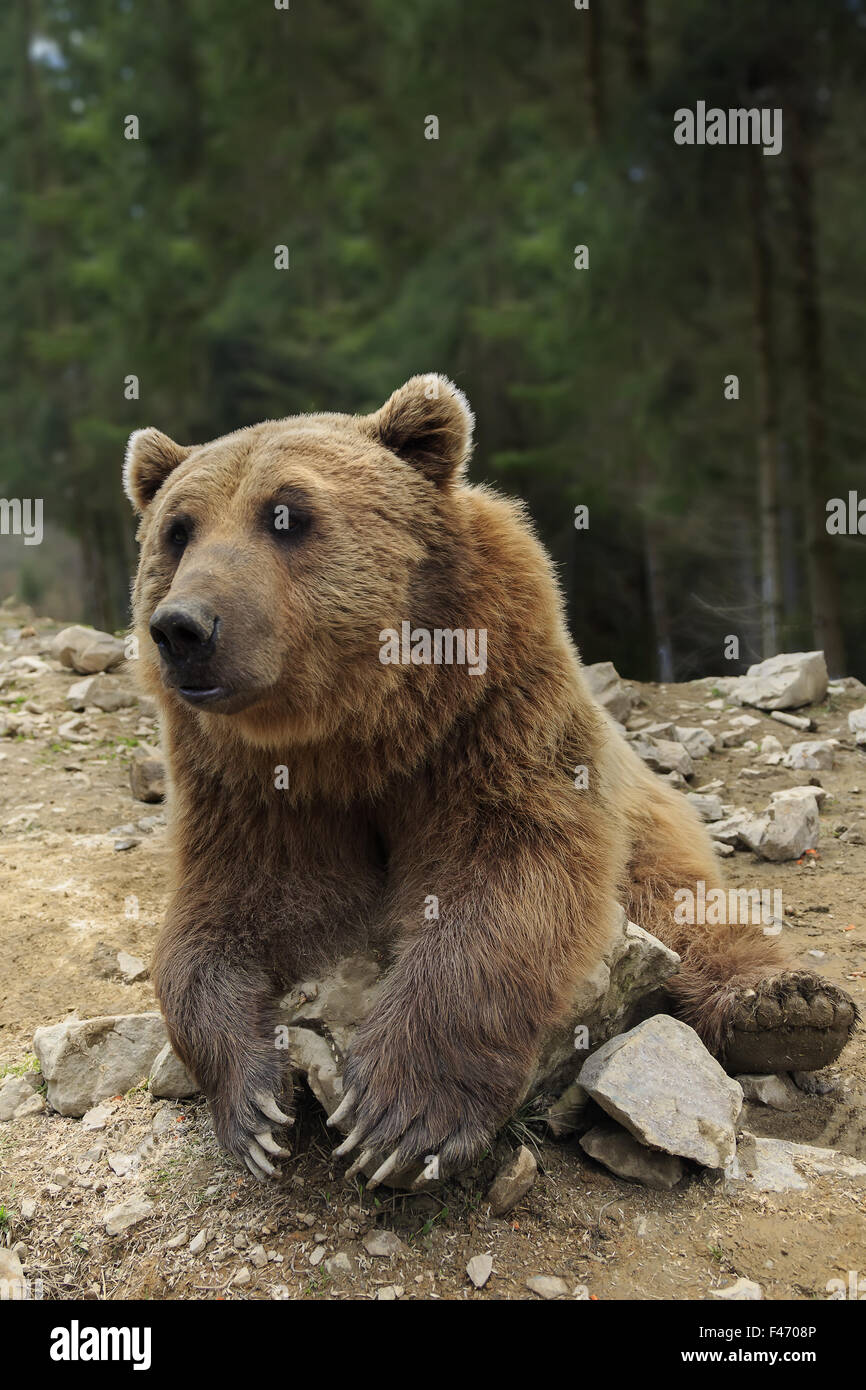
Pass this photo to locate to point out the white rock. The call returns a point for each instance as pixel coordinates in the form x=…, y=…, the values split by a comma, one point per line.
x=621, y=1153
x=738, y=734
x=857, y=725
x=662, y=755
x=130, y=967
x=13, y=1284
x=123, y=1164
x=778, y=1092
x=69, y=730
x=610, y=690
x=661, y=1083
x=384, y=1243
x=479, y=1269
x=731, y=829
x=775, y=1165
x=743, y=1291
x=31, y=666
x=85, y=1061
x=784, y=682
x=813, y=756
x=169, y=1078
x=341, y=998
x=805, y=794
x=108, y=693
x=127, y=1214
x=513, y=1181
x=33, y=1105
x=709, y=808
x=86, y=650
x=697, y=742
x=97, y=1117
x=793, y=721
x=772, y=746
x=147, y=775
x=17, y=1094
x=785, y=830
x=547, y=1286
x=76, y=695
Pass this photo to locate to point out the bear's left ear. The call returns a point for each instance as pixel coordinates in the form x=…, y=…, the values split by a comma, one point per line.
x=150, y=457
x=428, y=423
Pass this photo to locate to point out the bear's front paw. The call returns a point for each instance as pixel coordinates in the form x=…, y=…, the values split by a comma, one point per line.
x=402, y=1114
x=244, y=1125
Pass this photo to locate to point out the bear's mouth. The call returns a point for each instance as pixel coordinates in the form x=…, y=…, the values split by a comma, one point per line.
x=203, y=695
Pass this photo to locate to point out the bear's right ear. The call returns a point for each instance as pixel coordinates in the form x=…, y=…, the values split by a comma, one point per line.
x=428, y=423
x=150, y=457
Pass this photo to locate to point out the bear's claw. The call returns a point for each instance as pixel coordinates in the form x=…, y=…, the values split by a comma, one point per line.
x=430, y=1171
x=343, y=1109
x=257, y=1162
x=360, y=1162
x=269, y=1107
x=352, y=1140
x=383, y=1171
x=266, y=1140
x=413, y=1154
x=253, y=1145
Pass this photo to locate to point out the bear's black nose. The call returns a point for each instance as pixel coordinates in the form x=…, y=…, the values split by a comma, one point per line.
x=184, y=631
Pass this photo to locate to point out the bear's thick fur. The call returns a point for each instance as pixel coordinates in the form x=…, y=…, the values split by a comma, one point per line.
x=321, y=795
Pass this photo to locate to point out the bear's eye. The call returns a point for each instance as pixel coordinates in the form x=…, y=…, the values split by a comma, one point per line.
x=178, y=535
x=287, y=523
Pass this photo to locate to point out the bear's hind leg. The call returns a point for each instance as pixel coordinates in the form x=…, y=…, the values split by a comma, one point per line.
x=735, y=987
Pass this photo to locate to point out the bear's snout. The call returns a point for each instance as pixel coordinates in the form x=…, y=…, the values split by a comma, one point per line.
x=186, y=633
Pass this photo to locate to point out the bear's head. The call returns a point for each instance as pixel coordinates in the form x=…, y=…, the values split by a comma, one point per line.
x=272, y=558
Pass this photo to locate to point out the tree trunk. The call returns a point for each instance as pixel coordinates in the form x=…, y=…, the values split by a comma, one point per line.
x=823, y=594
x=637, y=43
x=658, y=603
x=768, y=409
x=594, y=70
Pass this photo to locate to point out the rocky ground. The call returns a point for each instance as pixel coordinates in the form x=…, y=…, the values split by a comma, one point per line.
x=134, y=1199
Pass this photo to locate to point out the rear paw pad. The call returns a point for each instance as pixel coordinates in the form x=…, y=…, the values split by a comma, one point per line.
x=793, y=1022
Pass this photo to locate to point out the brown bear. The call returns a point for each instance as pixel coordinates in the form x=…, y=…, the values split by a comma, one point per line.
x=370, y=703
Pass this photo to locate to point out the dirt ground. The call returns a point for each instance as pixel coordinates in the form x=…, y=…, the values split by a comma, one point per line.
x=68, y=894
